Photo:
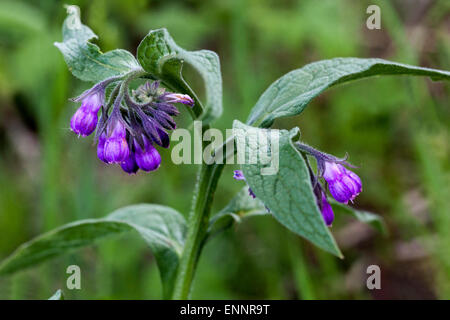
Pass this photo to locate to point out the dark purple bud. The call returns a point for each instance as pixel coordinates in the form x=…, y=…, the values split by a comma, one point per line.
x=83, y=122
x=327, y=211
x=164, y=138
x=178, y=98
x=168, y=108
x=85, y=119
x=129, y=165
x=164, y=120
x=101, y=147
x=116, y=147
x=147, y=158
x=344, y=184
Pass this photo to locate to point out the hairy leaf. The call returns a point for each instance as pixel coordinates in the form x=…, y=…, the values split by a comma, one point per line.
x=84, y=59
x=163, y=58
x=161, y=227
x=287, y=190
x=290, y=94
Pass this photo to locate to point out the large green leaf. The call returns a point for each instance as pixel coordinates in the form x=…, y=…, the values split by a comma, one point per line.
x=161, y=227
x=163, y=58
x=291, y=93
x=84, y=59
x=241, y=206
x=287, y=192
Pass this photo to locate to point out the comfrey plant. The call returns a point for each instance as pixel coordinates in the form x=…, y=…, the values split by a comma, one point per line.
x=130, y=125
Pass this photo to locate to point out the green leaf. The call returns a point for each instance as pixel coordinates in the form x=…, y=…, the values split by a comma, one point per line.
x=241, y=206
x=159, y=55
x=372, y=219
x=291, y=93
x=161, y=227
x=287, y=192
x=58, y=295
x=84, y=59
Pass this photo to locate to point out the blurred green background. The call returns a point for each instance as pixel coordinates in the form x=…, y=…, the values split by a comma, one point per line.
x=394, y=128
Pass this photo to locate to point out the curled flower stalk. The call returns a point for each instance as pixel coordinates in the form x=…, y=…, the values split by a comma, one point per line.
x=130, y=126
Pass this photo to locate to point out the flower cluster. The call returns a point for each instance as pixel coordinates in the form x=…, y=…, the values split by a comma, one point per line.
x=343, y=184
x=129, y=126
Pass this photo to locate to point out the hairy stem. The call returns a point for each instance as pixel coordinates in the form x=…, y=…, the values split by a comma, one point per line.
x=197, y=228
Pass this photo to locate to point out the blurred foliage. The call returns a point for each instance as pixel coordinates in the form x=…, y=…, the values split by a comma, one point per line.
x=395, y=130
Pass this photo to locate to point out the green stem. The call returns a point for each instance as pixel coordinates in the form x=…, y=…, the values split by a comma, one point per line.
x=197, y=228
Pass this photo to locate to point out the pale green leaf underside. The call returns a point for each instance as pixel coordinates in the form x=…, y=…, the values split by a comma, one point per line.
x=291, y=93
x=158, y=48
x=161, y=227
x=84, y=59
x=288, y=193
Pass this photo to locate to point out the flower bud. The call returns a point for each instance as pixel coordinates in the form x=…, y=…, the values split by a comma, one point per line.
x=85, y=119
x=344, y=184
x=178, y=98
x=148, y=159
x=101, y=147
x=327, y=211
x=83, y=122
x=129, y=165
x=93, y=102
x=116, y=147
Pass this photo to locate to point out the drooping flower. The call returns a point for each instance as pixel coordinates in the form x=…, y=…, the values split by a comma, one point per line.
x=116, y=148
x=84, y=120
x=239, y=175
x=344, y=185
x=147, y=157
x=129, y=165
x=177, y=98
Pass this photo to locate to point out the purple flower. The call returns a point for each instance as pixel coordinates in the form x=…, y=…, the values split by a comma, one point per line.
x=116, y=147
x=327, y=211
x=238, y=175
x=344, y=184
x=83, y=123
x=101, y=147
x=129, y=165
x=147, y=158
x=85, y=119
